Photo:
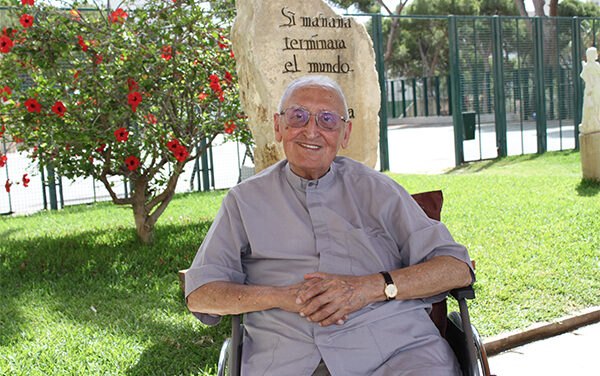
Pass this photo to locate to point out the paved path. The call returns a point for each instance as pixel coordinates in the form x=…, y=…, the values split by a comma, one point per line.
x=574, y=353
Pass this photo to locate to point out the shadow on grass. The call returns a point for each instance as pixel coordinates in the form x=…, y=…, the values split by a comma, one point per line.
x=107, y=281
x=478, y=166
x=588, y=188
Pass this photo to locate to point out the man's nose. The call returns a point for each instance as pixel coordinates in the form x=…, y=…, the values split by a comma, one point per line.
x=311, y=128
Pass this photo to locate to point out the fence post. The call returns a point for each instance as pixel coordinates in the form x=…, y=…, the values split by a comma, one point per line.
x=414, y=86
x=44, y=198
x=455, y=105
x=7, y=177
x=577, y=87
x=384, y=159
x=540, y=87
x=393, y=99
x=52, y=187
x=438, y=106
x=205, y=172
x=499, y=97
x=426, y=96
x=60, y=192
x=403, y=99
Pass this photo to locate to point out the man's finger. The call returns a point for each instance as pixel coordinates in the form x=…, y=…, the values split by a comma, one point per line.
x=310, y=290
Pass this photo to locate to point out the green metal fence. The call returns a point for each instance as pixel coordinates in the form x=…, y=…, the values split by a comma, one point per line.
x=518, y=75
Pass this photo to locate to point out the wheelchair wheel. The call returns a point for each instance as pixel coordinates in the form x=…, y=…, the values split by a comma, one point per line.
x=482, y=366
x=224, y=358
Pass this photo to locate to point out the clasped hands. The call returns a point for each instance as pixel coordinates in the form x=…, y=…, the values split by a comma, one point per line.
x=329, y=298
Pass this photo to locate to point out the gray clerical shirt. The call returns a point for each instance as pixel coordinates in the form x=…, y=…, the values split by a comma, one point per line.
x=275, y=227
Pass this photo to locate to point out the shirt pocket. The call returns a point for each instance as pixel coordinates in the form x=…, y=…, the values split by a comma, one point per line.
x=371, y=252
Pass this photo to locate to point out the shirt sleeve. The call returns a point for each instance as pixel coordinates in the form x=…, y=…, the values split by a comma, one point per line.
x=421, y=238
x=219, y=256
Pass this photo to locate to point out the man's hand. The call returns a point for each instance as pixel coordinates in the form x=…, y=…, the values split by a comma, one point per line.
x=330, y=298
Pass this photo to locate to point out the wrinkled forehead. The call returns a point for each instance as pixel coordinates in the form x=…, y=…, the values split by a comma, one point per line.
x=311, y=94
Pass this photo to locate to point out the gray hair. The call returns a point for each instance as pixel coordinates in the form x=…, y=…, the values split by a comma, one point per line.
x=312, y=80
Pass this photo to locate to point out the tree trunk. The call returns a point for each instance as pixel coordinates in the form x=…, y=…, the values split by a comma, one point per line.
x=538, y=5
x=143, y=221
x=146, y=211
x=393, y=29
x=521, y=7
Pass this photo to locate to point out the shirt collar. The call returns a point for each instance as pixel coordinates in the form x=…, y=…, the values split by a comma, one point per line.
x=304, y=185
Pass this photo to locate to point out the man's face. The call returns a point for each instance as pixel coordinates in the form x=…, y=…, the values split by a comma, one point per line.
x=311, y=149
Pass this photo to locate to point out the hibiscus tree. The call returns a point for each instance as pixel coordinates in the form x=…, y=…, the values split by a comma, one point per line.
x=126, y=92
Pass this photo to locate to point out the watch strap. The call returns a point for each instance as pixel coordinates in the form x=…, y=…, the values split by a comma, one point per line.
x=388, y=278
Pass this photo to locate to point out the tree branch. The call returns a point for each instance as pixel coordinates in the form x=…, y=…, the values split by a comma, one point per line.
x=393, y=30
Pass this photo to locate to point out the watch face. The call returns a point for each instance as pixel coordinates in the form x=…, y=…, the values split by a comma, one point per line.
x=391, y=291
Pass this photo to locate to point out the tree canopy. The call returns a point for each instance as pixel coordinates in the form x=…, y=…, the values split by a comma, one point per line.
x=130, y=93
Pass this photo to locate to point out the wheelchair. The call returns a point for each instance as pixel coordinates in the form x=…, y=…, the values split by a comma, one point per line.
x=455, y=327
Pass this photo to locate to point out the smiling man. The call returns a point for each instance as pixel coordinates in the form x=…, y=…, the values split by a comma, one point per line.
x=333, y=263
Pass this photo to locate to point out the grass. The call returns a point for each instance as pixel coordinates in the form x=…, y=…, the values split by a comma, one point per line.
x=80, y=295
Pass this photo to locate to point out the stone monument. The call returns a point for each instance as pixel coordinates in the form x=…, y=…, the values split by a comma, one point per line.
x=589, y=137
x=277, y=41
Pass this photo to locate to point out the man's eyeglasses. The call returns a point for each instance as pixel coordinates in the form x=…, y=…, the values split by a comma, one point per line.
x=298, y=117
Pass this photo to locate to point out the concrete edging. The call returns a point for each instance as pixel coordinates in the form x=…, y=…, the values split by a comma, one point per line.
x=502, y=342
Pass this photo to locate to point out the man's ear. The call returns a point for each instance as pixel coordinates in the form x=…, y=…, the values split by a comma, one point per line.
x=277, y=128
x=347, y=131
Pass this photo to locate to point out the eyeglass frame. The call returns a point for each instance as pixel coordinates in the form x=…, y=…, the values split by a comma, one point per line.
x=310, y=114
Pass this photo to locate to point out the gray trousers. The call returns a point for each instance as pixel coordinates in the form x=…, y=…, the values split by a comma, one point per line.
x=321, y=370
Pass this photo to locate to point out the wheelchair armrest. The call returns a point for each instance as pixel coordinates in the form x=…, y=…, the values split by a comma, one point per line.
x=466, y=292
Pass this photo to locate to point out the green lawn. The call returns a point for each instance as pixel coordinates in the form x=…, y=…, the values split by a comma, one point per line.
x=80, y=295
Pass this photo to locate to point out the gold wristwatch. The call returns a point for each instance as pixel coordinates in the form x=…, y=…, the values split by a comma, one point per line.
x=390, y=290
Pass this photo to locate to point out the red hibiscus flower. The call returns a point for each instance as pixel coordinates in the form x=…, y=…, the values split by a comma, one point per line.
x=84, y=46
x=26, y=20
x=100, y=148
x=229, y=127
x=59, y=109
x=181, y=153
x=27, y=2
x=99, y=59
x=33, y=105
x=7, y=185
x=5, y=90
x=118, y=16
x=132, y=162
x=25, y=181
x=228, y=77
x=172, y=145
x=166, y=53
x=132, y=84
x=5, y=44
x=122, y=134
x=215, y=86
x=202, y=96
x=17, y=139
x=134, y=99
x=2, y=160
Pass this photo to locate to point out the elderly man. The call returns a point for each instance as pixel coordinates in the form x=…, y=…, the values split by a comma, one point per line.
x=334, y=264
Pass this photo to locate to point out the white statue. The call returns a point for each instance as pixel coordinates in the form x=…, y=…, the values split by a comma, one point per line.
x=590, y=122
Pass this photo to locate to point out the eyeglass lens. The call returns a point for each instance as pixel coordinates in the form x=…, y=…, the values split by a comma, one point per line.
x=298, y=117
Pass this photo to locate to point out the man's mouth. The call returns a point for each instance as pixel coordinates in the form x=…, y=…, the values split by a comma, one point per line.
x=309, y=146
